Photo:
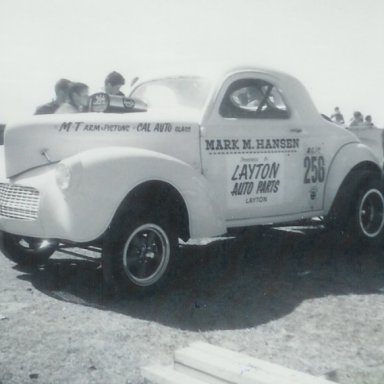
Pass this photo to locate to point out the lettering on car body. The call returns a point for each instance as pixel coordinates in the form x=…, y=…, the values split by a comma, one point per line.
x=314, y=165
x=223, y=146
x=255, y=180
x=80, y=126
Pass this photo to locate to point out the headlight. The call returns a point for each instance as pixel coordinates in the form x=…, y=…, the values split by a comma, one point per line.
x=63, y=176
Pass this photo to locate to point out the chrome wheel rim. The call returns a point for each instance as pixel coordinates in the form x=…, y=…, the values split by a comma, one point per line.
x=371, y=213
x=146, y=254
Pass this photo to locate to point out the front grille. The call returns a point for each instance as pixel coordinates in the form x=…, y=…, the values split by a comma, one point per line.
x=19, y=202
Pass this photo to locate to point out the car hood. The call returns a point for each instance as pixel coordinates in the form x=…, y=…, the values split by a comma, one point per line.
x=47, y=139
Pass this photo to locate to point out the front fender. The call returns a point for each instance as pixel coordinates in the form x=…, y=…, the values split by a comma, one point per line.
x=103, y=177
x=348, y=157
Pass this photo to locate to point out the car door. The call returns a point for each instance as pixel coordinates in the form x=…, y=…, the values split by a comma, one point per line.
x=252, y=149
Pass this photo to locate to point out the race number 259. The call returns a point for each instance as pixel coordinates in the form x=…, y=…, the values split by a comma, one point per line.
x=314, y=169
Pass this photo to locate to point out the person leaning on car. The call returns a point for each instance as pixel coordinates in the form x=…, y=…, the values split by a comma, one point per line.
x=77, y=99
x=61, y=91
x=113, y=82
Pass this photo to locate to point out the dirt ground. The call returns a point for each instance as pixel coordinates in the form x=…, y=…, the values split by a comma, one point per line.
x=290, y=297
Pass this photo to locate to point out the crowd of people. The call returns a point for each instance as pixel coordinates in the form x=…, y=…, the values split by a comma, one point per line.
x=357, y=120
x=72, y=97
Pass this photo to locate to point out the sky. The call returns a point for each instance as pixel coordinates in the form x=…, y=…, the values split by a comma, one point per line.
x=335, y=47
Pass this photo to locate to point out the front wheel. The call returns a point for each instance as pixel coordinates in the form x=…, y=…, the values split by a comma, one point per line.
x=26, y=250
x=140, y=251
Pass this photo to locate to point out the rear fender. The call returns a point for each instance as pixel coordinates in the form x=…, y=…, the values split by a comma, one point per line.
x=350, y=157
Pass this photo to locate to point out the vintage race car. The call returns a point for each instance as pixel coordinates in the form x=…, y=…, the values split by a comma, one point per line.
x=183, y=157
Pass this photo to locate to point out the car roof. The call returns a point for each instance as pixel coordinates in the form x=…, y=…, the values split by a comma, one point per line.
x=298, y=96
x=215, y=74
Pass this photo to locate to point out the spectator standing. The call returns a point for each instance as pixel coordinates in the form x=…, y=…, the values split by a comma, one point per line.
x=368, y=122
x=337, y=116
x=77, y=99
x=357, y=119
x=113, y=82
x=61, y=91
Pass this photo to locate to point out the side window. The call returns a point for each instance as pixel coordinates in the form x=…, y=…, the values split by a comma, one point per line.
x=253, y=99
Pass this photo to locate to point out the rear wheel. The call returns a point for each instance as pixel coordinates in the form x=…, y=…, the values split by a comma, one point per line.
x=27, y=250
x=368, y=216
x=357, y=214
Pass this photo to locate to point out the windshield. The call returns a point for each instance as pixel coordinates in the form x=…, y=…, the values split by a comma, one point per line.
x=187, y=92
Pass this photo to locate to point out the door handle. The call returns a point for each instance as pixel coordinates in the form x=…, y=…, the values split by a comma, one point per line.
x=296, y=130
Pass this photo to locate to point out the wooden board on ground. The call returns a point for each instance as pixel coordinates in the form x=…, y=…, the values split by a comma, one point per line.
x=203, y=363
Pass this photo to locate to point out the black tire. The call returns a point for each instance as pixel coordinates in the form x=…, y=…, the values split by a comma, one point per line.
x=139, y=252
x=26, y=250
x=367, y=220
x=349, y=221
